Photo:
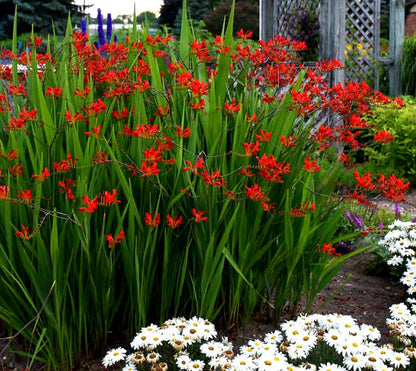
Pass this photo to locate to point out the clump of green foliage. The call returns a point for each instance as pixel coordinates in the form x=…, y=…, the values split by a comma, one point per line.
x=399, y=154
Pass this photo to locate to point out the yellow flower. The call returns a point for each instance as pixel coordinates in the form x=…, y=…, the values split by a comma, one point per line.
x=348, y=46
x=359, y=46
x=364, y=52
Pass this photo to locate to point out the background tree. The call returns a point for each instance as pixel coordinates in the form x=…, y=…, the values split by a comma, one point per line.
x=168, y=12
x=246, y=17
x=40, y=14
x=151, y=18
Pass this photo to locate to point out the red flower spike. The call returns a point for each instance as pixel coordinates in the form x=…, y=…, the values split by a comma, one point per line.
x=54, y=92
x=327, y=249
x=185, y=133
x=82, y=93
x=198, y=106
x=263, y=137
x=72, y=119
x=233, y=107
x=108, y=199
x=311, y=166
x=251, y=148
x=65, y=186
x=383, y=137
x=12, y=154
x=91, y=205
x=23, y=235
x=4, y=192
x=25, y=195
x=174, y=222
x=363, y=181
x=198, y=216
x=255, y=193
x=244, y=35
x=113, y=242
x=95, y=132
x=149, y=169
x=289, y=141
x=16, y=170
x=194, y=168
x=44, y=175
x=152, y=221
x=268, y=207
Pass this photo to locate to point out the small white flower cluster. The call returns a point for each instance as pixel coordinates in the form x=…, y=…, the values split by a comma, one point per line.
x=188, y=345
x=401, y=243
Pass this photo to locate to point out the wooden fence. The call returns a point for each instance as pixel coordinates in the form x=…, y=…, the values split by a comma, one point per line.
x=346, y=26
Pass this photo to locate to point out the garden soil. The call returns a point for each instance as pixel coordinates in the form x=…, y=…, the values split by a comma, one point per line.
x=366, y=295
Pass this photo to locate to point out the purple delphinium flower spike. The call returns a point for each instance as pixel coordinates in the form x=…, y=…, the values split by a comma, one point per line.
x=101, y=36
x=84, y=26
x=115, y=38
x=109, y=27
x=380, y=224
x=355, y=220
x=397, y=211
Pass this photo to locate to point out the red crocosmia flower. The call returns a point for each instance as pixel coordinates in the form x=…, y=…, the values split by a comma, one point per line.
x=344, y=158
x=65, y=186
x=54, y=92
x=251, y=148
x=26, y=115
x=72, y=119
x=108, y=199
x=215, y=179
x=268, y=99
x=65, y=165
x=198, y=106
x=263, y=137
x=12, y=154
x=194, y=168
x=120, y=115
x=393, y=187
x=4, y=192
x=198, y=216
x=174, y=222
x=327, y=249
x=255, y=193
x=232, y=107
x=91, y=205
x=363, y=181
x=162, y=111
x=311, y=166
x=150, y=154
x=230, y=194
x=246, y=172
x=152, y=221
x=252, y=119
x=299, y=45
x=165, y=144
x=36, y=43
x=95, y=132
x=95, y=108
x=356, y=121
x=24, y=235
x=185, y=133
x=100, y=157
x=267, y=207
x=244, y=35
x=198, y=88
x=113, y=242
x=149, y=169
x=398, y=102
x=82, y=93
x=184, y=79
x=16, y=170
x=383, y=137
x=16, y=124
x=289, y=141
x=145, y=131
x=25, y=195
x=17, y=90
x=44, y=175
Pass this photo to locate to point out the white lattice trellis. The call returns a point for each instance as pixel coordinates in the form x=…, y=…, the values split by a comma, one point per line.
x=362, y=39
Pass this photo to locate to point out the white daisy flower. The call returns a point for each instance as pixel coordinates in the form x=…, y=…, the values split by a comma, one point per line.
x=355, y=361
x=395, y=260
x=273, y=337
x=129, y=367
x=399, y=359
x=331, y=367
x=212, y=349
x=113, y=356
x=183, y=361
x=196, y=365
x=370, y=332
x=242, y=363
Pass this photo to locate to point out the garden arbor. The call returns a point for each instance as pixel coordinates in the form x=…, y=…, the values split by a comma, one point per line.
x=345, y=26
